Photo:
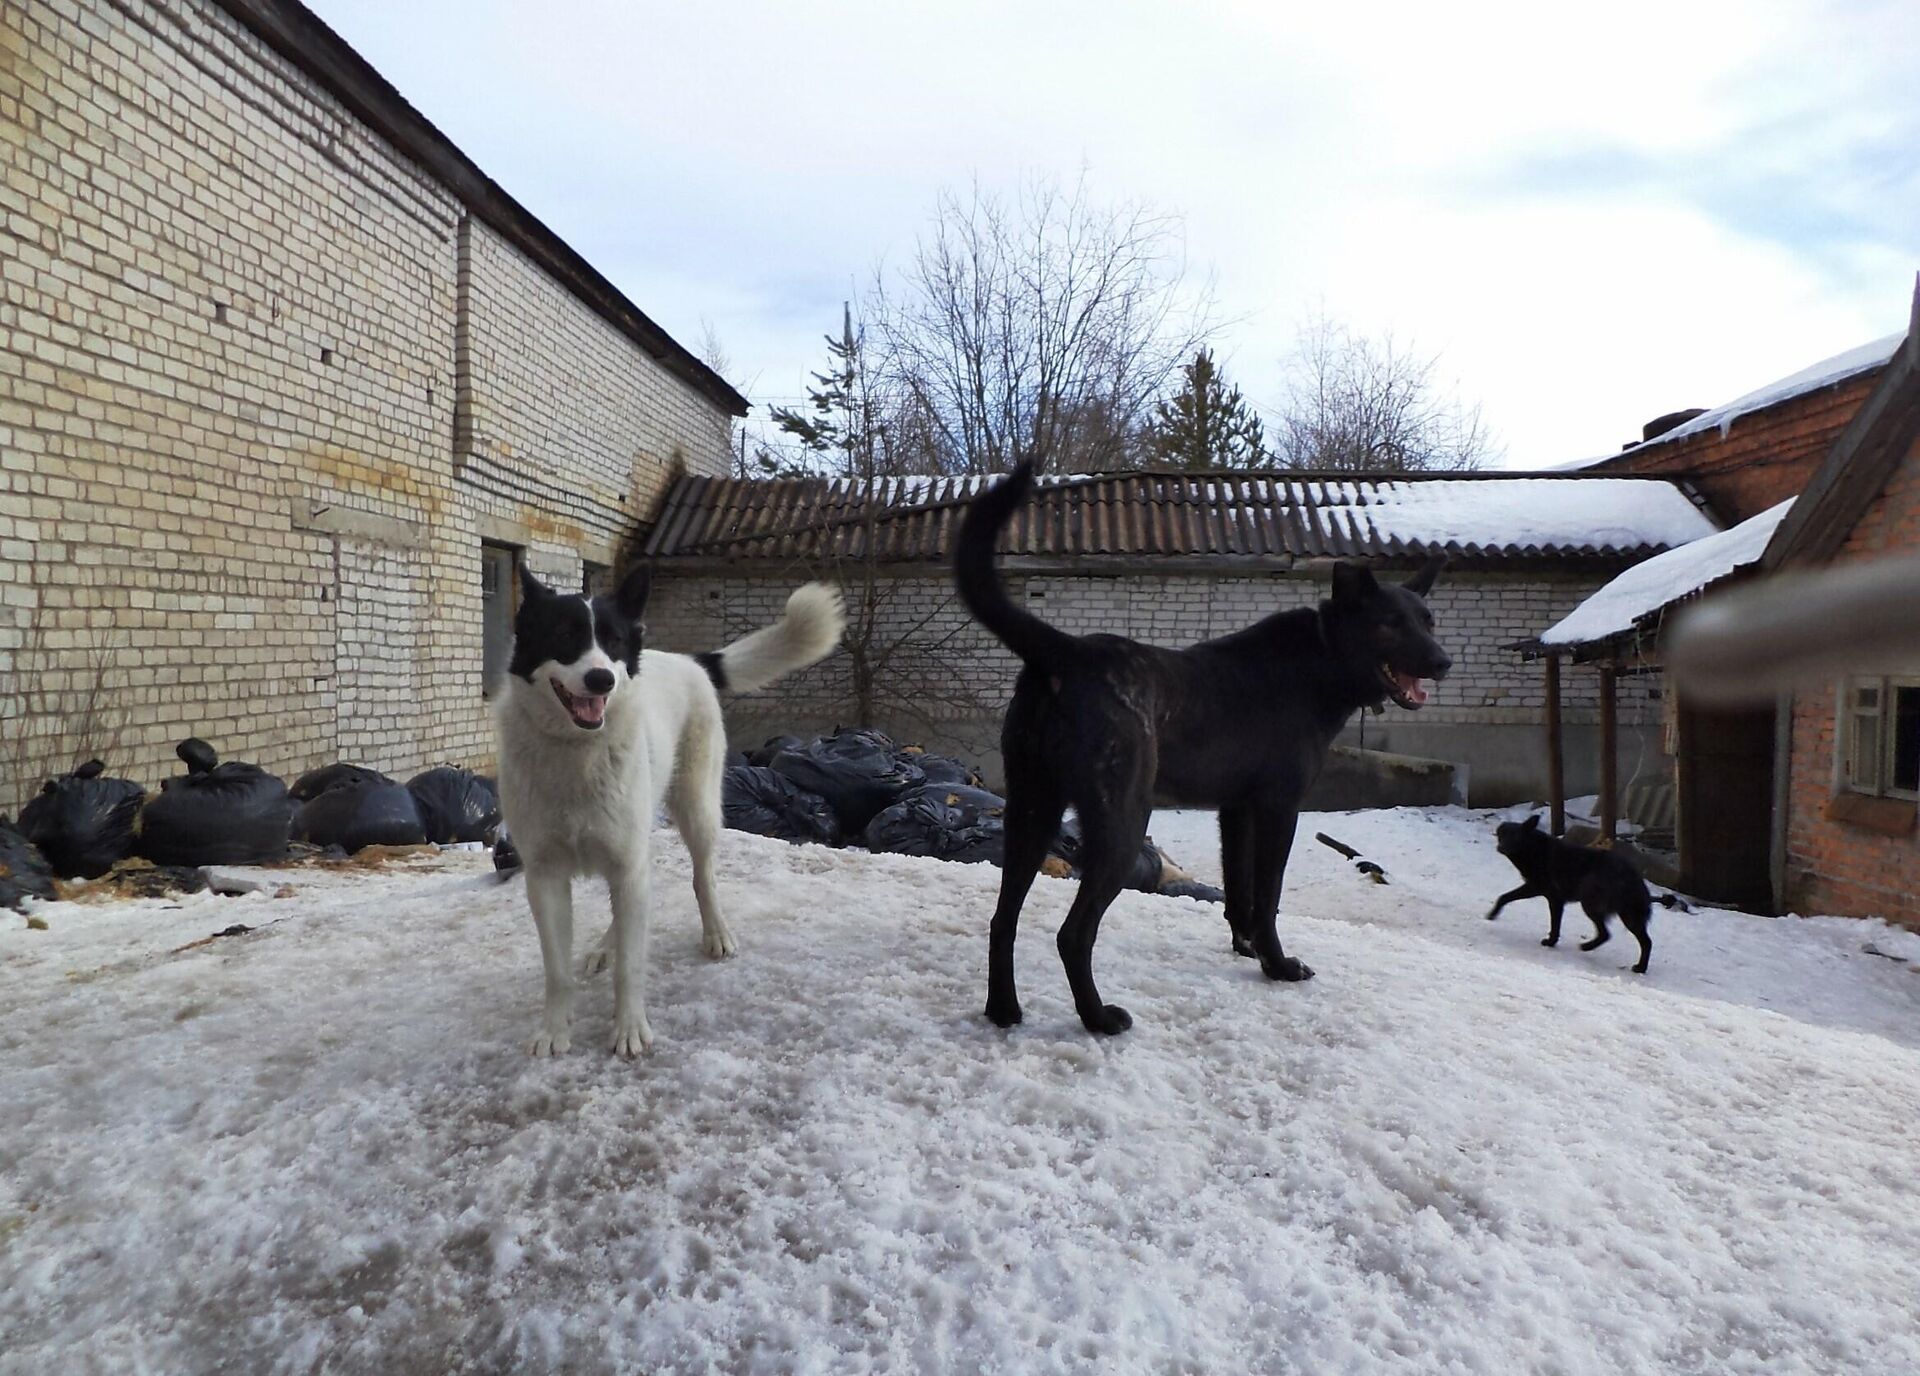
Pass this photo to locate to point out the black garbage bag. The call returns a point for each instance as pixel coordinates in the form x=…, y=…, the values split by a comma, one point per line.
x=455, y=805
x=1146, y=874
x=24, y=871
x=1067, y=844
x=314, y=782
x=84, y=822
x=766, y=803
x=947, y=821
x=942, y=769
x=354, y=815
x=858, y=771
x=774, y=745
x=216, y=814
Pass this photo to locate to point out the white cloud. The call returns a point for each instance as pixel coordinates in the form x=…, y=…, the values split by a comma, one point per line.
x=1595, y=217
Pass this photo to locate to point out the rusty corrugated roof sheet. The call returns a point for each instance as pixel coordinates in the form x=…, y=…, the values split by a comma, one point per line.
x=1275, y=518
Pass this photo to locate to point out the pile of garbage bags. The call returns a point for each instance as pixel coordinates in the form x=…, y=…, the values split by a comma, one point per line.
x=858, y=787
x=84, y=823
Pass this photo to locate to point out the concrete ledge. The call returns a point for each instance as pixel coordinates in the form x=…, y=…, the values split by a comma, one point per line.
x=1355, y=778
x=328, y=519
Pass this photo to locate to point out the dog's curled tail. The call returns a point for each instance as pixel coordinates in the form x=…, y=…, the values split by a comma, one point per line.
x=805, y=634
x=980, y=588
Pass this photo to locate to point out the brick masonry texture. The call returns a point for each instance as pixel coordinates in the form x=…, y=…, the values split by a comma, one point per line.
x=1835, y=867
x=955, y=679
x=1764, y=458
x=264, y=389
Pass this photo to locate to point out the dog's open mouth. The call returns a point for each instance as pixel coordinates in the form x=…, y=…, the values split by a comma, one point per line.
x=588, y=711
x=1406, y=690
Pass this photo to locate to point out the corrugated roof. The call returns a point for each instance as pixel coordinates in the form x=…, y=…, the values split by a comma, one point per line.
x=1263, y=517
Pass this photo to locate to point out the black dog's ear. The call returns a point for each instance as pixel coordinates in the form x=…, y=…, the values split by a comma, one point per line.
x=531, y=588
x=1351, y=583
x=631, y=599
x=1533, y=821
x=1422, y=582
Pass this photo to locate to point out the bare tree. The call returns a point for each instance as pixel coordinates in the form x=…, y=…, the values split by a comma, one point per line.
x=58, y=708
x=1362, y=405
x=1040, y=328
x=898, y=654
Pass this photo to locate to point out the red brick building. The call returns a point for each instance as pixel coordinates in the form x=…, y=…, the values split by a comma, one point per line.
x=1846, y=837
x=1759, y=450
x=1832, y=775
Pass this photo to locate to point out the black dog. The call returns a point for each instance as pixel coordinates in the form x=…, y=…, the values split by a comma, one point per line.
x=1241, y=724
x=1603, y=883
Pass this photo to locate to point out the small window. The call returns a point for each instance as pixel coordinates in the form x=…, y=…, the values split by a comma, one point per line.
x=1882, y=742
x=594, y=578
x=498, y=580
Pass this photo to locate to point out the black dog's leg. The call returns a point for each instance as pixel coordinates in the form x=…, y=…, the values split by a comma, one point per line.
x=1513, y=896
x=1555, y=907
x=1600, y=933
x=1110, y=843
x=1272, y=844
x=1236, y=873
x=1637, y=924
x=1032, y=821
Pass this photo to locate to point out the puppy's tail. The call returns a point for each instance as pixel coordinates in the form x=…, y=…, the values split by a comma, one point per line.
x=980, y=588
x=808, y=631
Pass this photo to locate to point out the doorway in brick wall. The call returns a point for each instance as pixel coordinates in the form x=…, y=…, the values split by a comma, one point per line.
x=499, y=580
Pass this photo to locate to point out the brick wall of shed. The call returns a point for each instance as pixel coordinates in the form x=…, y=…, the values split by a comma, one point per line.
x=1836, y=867
x=226, y=304
x=1490, y=711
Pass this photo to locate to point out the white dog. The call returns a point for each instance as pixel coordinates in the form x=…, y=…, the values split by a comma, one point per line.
x=594, y=733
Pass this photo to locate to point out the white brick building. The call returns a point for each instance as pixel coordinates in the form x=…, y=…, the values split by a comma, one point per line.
x=1171, y=559
x=278, y=368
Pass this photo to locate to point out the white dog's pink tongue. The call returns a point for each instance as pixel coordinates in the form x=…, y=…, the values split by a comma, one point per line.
x=588, y=711
x=1413, y=689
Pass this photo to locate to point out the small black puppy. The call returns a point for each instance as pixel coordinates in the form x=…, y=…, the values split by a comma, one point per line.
x=1242, y=723
x=1603, y=884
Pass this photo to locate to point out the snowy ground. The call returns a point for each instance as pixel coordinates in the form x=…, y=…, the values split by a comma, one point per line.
x=319, y=1147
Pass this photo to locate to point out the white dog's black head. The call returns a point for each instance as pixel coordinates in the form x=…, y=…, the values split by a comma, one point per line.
x=578, y=652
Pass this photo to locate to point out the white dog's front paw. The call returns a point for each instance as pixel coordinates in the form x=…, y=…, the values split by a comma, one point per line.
x=596, y=963
x=632, y=1035
x=547, y=1042
x=717, y=940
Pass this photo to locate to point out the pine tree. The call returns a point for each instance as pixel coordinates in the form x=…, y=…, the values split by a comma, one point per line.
x=1206, y=424
x=845, y=426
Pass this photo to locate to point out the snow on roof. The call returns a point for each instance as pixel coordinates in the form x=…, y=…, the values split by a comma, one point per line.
x=1665, y=579
x=1522, y=513
x=1825, y=373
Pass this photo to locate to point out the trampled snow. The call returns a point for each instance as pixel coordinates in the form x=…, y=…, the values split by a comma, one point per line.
x=1666, y=578
x=319, y=1146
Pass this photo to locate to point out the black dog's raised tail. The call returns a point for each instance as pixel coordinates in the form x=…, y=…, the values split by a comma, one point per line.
x=980, y=588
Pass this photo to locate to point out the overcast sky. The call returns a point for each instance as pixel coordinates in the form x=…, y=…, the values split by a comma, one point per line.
x=1591, y=216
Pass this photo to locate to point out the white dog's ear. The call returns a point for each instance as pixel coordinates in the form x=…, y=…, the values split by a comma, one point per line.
x=631, y=599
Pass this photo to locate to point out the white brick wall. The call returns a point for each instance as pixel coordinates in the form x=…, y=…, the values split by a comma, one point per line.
x=957, y=678
x=224, y=305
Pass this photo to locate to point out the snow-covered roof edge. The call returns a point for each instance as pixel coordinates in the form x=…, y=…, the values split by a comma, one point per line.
x=1666, y=578
x=1827, y=372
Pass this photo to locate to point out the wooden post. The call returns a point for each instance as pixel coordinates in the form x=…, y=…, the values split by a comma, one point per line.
x=1609, y=750
x=1556, y=774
